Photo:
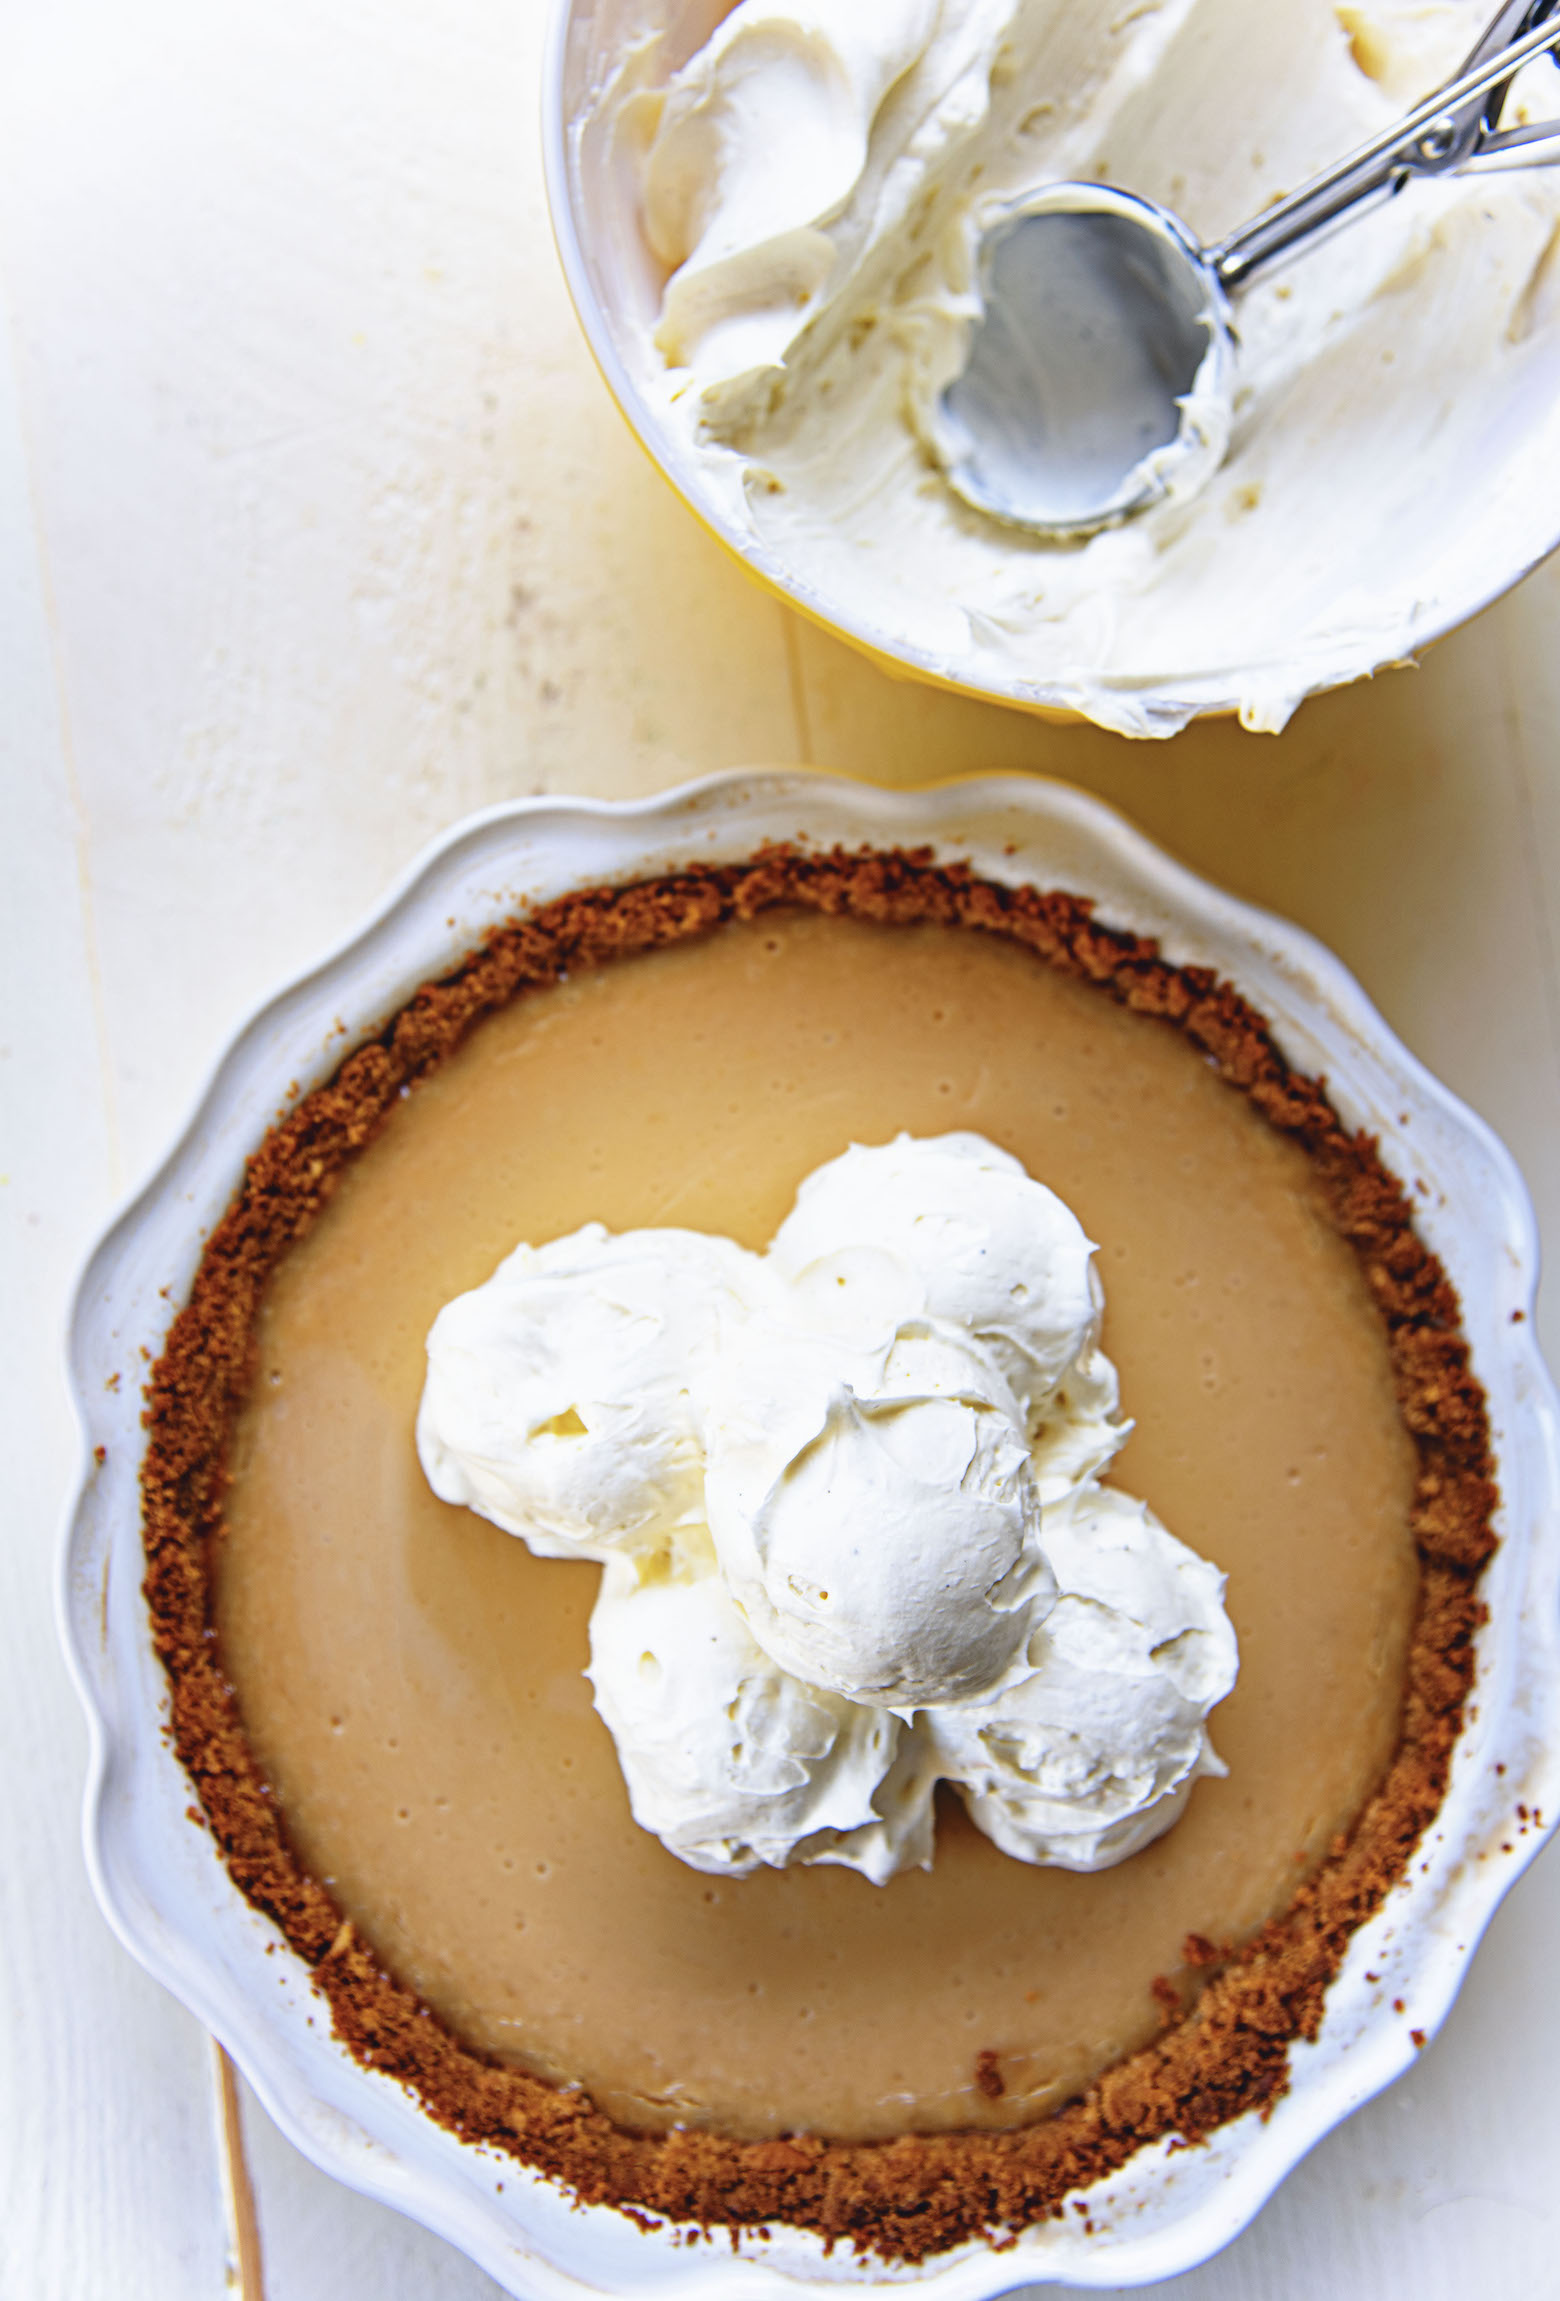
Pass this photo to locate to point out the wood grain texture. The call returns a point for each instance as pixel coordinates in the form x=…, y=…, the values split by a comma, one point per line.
x=318, y=529
x=109, y=2173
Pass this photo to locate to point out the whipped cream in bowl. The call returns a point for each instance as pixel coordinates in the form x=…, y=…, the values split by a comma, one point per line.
x=848, y=1498
x=771, y=219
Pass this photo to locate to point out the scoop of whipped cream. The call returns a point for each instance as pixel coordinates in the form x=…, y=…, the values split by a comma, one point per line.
x=559, y=1400
x=847, y=1495
x=873, y=1511
x=819, y=181
x=732, y=1762
x=1138, y=1630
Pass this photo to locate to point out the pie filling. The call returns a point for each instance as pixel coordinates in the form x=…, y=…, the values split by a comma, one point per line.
x=394, y=1741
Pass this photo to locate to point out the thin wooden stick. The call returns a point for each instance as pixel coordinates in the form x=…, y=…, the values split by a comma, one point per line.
x=238, y=2191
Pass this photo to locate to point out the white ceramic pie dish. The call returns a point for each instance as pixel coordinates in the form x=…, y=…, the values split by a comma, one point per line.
x=159, y=1876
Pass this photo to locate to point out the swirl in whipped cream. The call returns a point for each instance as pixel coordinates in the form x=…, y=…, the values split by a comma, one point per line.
x=848, y=1498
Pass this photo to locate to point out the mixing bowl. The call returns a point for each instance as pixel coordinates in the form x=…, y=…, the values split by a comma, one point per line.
x=1359, y=515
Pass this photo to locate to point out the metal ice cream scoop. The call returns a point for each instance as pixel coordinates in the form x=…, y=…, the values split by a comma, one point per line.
x=1100, y=374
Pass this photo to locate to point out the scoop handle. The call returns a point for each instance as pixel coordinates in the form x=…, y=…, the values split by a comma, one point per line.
x=1452, y=131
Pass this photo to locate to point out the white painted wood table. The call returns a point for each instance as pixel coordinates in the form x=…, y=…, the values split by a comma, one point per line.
x=317, y=530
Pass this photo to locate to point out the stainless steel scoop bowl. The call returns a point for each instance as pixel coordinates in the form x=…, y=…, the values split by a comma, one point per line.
x=1100, y=374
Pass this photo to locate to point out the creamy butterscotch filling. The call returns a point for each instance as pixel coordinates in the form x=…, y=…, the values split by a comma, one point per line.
x=411, y=1677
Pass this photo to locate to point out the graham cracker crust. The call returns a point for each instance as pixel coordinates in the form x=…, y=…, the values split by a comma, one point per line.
x=1232, y=2012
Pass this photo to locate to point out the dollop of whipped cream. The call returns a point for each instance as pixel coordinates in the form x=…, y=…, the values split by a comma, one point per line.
x=816, y=183
x=848, y=1498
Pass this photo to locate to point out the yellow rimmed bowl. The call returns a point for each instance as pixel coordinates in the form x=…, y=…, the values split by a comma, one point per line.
x=1399, y=585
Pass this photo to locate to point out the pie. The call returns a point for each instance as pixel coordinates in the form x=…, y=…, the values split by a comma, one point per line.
x=379, y=1697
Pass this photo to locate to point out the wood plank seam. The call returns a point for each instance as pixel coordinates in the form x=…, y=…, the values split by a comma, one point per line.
x=1531, y=844
x=800, y=714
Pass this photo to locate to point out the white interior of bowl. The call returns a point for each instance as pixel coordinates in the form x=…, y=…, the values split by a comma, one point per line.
x=158, y=1875
x=1400, y=587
